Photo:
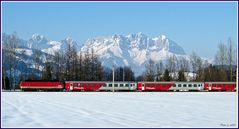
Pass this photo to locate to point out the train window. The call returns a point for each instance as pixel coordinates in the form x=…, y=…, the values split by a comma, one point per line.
x=194, y=85
x=184, y=85
x=87, y=84
x=189, y=85
x=110, y=85
x=82, y=84
x=179, y=85
x=75, y=85
x=93, y=84
x=105, y=85
x=174, y=85
x=116, y=85
x=121, y=85
x=152, y=85
x=133, y=84
x=71, y=84
x=229, y=86
x=99, y=84
x=224, y=86
x=127, y=85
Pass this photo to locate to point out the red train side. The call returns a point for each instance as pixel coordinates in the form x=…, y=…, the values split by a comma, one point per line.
x=41, y=85
x=154, y=86
x=83, y=85
x=220, y=86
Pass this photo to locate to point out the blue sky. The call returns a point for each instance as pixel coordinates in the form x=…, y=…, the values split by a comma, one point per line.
x=196, y=26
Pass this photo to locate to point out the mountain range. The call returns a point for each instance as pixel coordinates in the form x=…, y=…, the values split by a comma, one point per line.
x=133, y=50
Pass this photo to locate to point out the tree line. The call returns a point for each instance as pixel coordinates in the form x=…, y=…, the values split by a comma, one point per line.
x=66, y=64
x=179, y=68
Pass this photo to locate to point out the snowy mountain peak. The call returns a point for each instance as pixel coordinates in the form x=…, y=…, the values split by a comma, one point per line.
x=40, y=42
x=37, y=37
x=163, y=37
x=132, y=50
x=69, y=39
x=37, y=42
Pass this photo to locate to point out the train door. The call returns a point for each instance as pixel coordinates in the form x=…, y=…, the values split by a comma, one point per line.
x=81, y=86
x=132, y=86
x=210, y=86
x=143, y=86
x=71, y=86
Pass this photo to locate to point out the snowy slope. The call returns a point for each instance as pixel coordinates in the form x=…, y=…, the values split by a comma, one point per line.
x=27, y=50
x=133, y=50
x=107, y=109
x=48, y=46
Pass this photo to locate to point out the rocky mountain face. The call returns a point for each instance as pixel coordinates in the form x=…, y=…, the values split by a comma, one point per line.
x=133, y=50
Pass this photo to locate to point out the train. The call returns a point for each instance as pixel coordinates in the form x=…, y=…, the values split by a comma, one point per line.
x=125, y=86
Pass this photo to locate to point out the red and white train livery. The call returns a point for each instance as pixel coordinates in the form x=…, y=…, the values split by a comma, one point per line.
x=127, y=86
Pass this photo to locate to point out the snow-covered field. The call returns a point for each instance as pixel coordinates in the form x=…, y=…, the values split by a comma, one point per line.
x=119, y=109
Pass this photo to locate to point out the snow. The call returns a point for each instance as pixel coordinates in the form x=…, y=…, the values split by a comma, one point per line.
x=25, y=51
x=163, y=37
x=116, y=51
x=119, y=109
x=136, y=49
x=56, y=46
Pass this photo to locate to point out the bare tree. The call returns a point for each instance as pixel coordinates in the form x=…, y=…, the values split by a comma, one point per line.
x=86, y=66
x=99, y=70
x=183, y=65
x=159, y=71
x=129, y=74
x=37, y=61
x=79, y=67
x=150, y=70
x=71, y=62
x=10, y=59
x=4, y=68
x=197, y=66
x=221, y=55
x=193, y=61
x=230, y=56
x=220, y=58
x=46, y=73
x=172, y=66
x=57, y=62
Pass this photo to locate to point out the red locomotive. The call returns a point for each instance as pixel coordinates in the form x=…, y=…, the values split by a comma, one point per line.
x=41, y=85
